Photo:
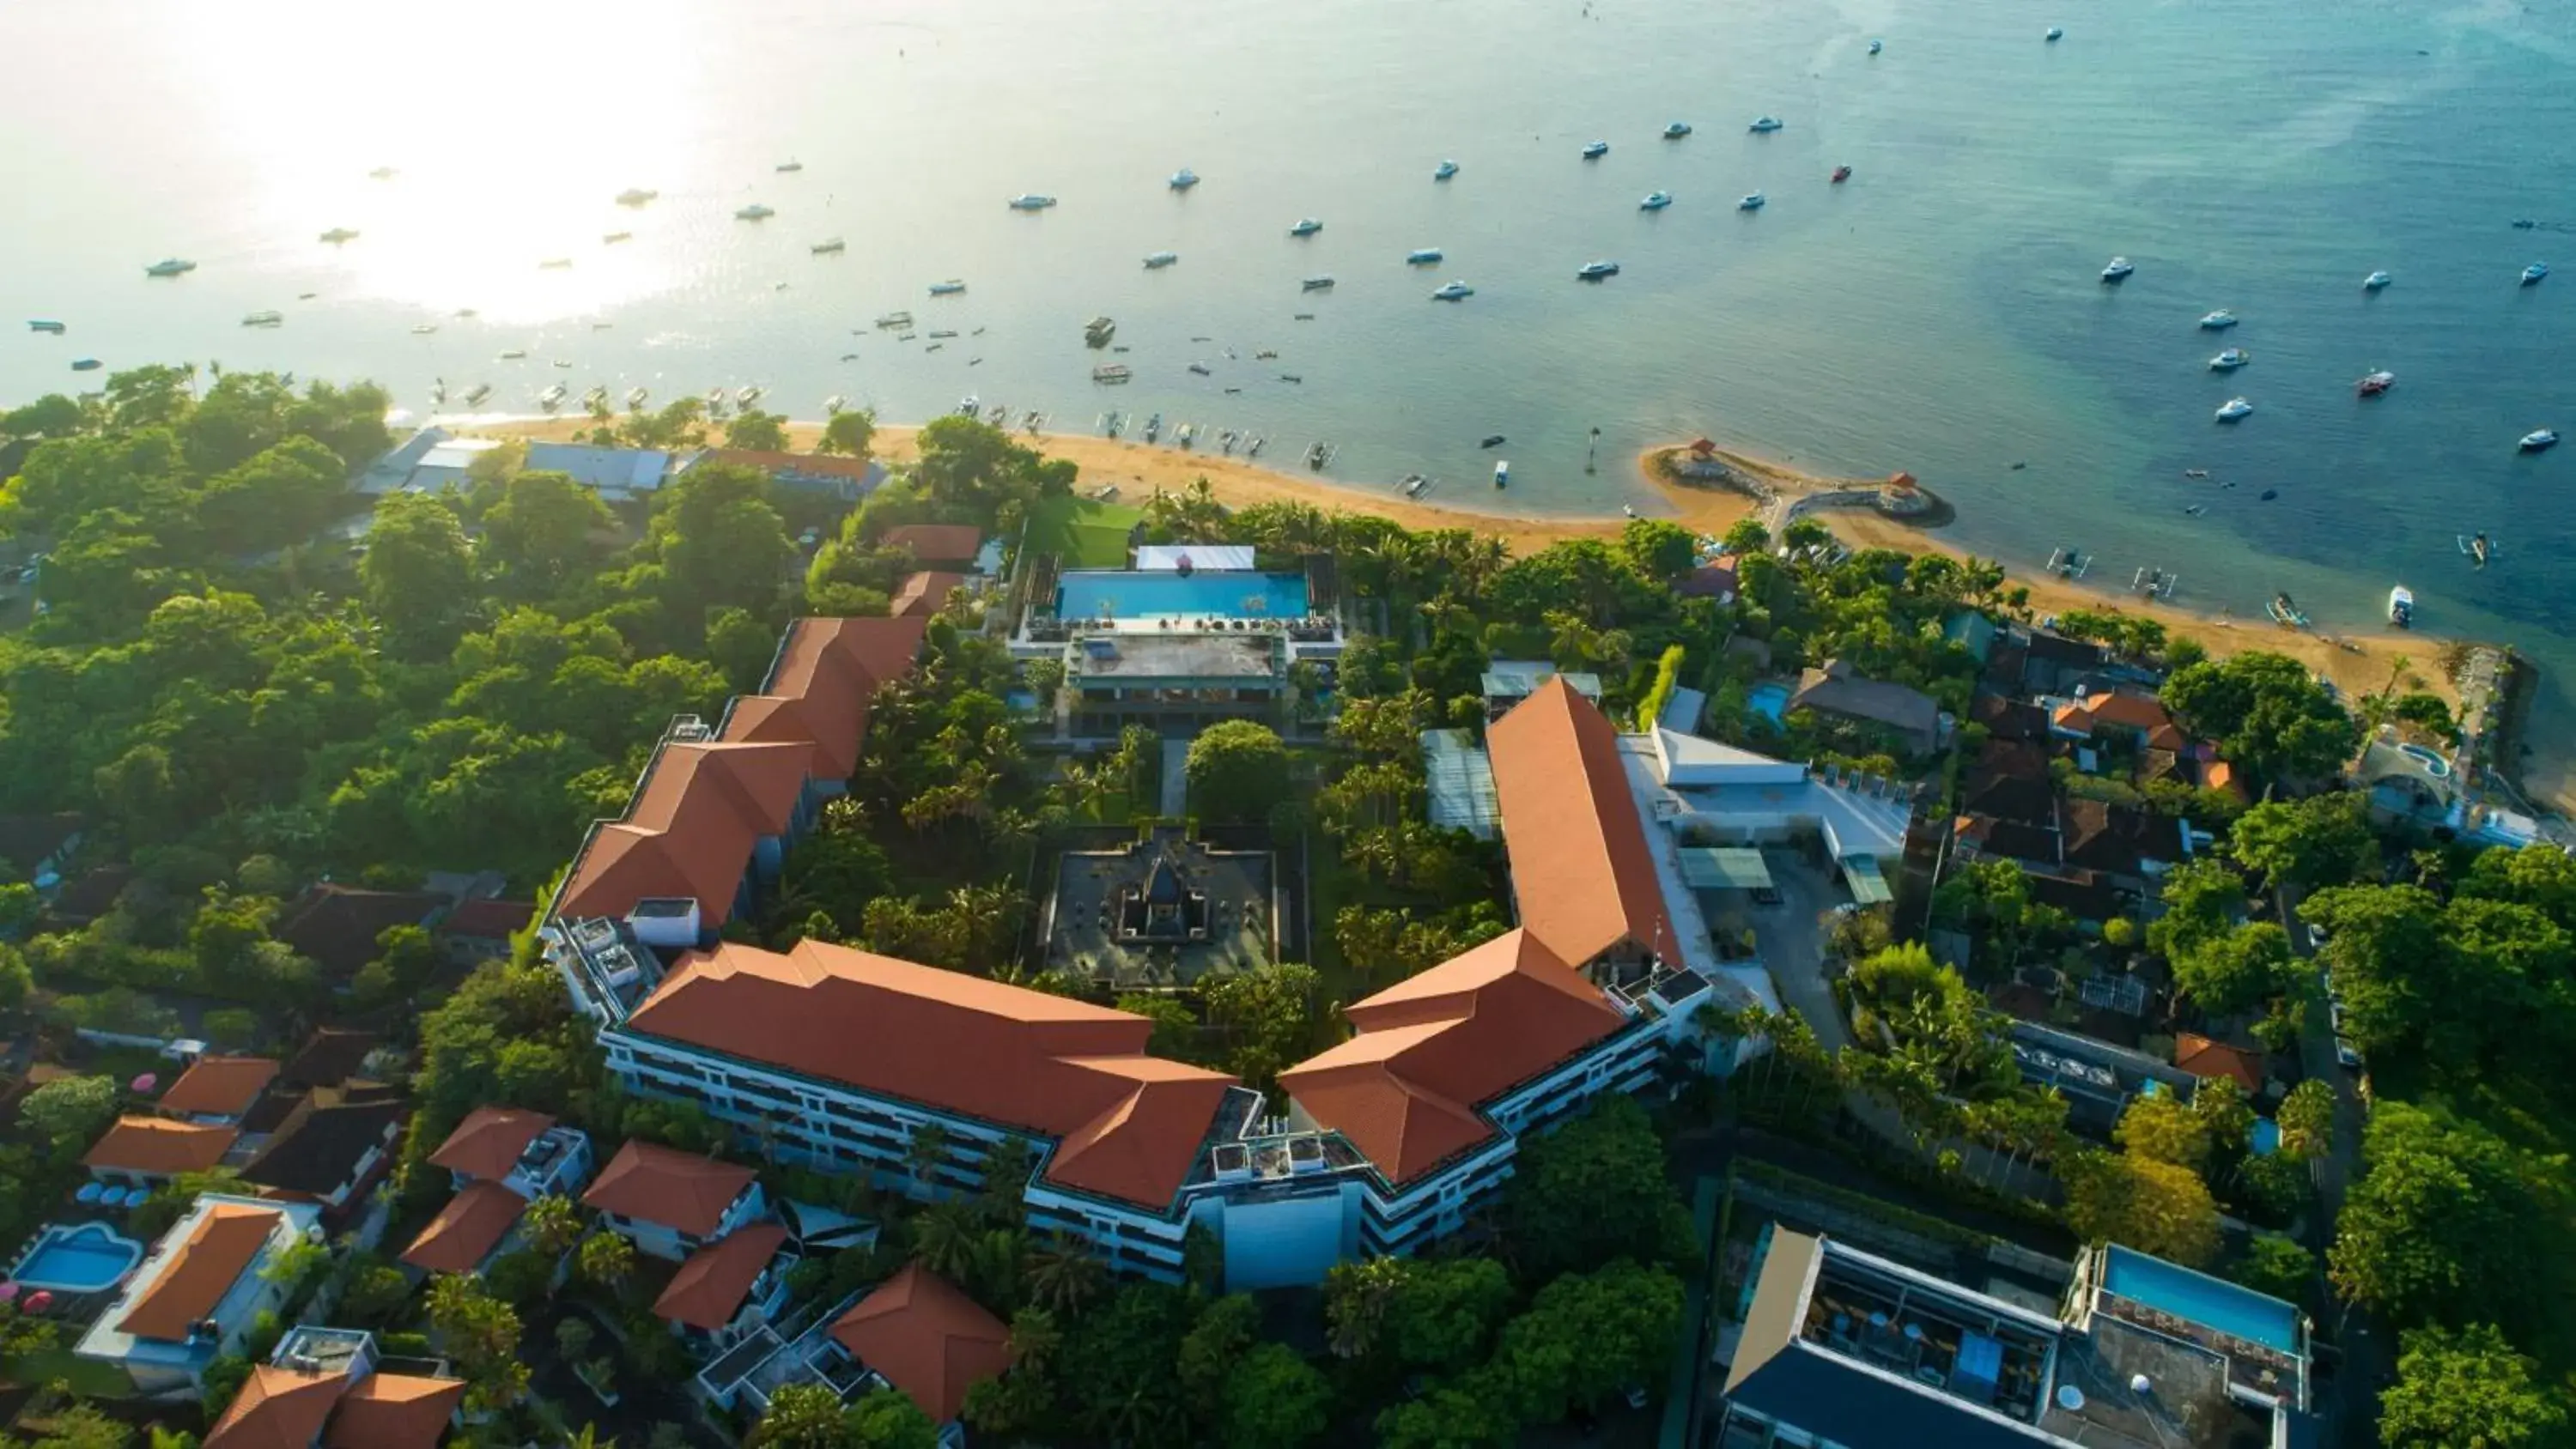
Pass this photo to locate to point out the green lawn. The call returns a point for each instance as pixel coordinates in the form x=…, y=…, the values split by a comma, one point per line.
x=88, y=1377
x=1085, y=533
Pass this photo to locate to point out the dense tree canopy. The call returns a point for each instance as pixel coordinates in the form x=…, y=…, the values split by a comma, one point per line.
x=2264, y=710
x=2467, y=1389
x=2442, y=1222
x=1237, y=770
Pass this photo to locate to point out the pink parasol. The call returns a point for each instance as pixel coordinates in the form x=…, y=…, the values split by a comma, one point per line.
x=146, y=1082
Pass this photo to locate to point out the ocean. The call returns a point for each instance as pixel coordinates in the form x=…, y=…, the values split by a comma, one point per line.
x=1940, y=313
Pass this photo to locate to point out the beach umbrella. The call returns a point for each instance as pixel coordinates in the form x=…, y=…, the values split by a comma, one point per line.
x=89, y=1192
x=39, y=1301
x=146, y=1082
x=8, y=1292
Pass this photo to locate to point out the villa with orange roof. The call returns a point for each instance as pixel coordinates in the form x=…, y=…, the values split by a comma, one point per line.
x=500, y=1159
x=332, y=1388
x=200, y=1290
x=671, y=1203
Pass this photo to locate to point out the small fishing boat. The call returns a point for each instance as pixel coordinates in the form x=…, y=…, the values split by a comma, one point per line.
x=2055, y=34
x=716, y=402
x=2069, y=562
x=833, y=405
x=513, y=354
x=614, y=237
x=424, y=329
x=2539, y=440
x=970, y=406
x=2477, y=548
x=2235, y=409
x=745, y=397
x=1306, y=226
x=828, y=246
x=788, y=166
x=635, y=397
x=2153, y=583
x=1115, y=372
x=1876, y=46
x=2533, y=273
x=2230, y=360
x=1444, y=170
x=755, y=212
x=553, y=397
x=1153, y=427
x=86, y=364
x=560, y=362
x=2375, y=281
x=1676, y=130
x=1422, y=257
x=1753, y=201
x=339, y=234
x=1502, y=472
x=2401, y=607
x=2375, y=384
x=1492, y=440
x=1031, y=201
x=265, y=319
x=176, y=267
x=554, y=264
x=1841, y=175
x=635, y=196
x=1595, y=271
x=1291, y=377
x=2119, y=270
x=1452, y=292
x=596, y=397
x=474, y=396
x=1595, y=150
x=943, y=334
x=1200, y=368
x=949, y=288
x=1183, y=179
x=1413, y=485
x=1765, y=125
x=48, y=325
x=1155, y=261
x=892, y=320
x=2286, y=612
x=1655, y=201
x=2195, y=472
x=1188, y=434
x=1316, y=284
x=2218, y=321
x=437, y=390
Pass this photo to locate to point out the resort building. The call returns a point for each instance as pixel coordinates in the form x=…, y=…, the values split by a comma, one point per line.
x=1843, y=1347
x=331, y=1148
x=670, y=1203
x=499, y=1159
x=924, y=1336
x=433, y=460
x=152, y=1150
x=330, y=1388
x=1177, y=644
x=730, y=1288
x=200, y=1291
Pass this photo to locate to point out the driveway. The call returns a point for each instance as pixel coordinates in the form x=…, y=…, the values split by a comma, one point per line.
x=2365, y=1345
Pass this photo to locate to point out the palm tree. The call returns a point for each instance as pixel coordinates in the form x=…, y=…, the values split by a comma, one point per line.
x=589, y=1438
x=944, y=1239
x=1355, y=1299
x=925, y=1154
x=1007, y=1164
x=1035, y=1338
x=1062, y=1275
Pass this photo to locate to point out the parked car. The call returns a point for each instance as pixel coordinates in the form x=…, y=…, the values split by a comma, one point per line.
x=2316, y=937
x=2347, y=1053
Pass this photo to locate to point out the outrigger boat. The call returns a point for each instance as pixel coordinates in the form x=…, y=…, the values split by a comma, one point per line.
x=2286, y=612
x=2069, y=563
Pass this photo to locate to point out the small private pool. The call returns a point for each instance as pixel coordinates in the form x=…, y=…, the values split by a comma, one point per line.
x=1148, y=594
x=2210, y=1302
x=2434, y=765
x=1771, y=701
x=87, y=1258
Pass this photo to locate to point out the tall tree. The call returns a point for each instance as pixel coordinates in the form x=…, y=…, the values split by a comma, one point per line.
x=2467, y=1388
x=418, y=572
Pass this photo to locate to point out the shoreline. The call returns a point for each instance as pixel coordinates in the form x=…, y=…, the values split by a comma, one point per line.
x=2357, y=663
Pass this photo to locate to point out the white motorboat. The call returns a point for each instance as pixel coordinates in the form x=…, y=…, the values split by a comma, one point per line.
x=2539, y=441
x=635, y=397
x=2401, y=607
x=2218, y=321
x=2235, y=409
x=1317, y=284
x=1444, y=170
x=553, y=396
x=1595, y=271
x=47, y=325
x=635, y=196
x=1765, y=125
x=755, y=212
x=1655, y=201
x=1876, y=46
x=2230, y=360
x=1422, y=257
x=1184, y=179
x=1031, y=201
x=1677, y=130
x=2534, y=273
x=170, y=267
x=2375, y=281
x=2119, y=270
x=829, y=246
x=2055, y=34
x=1753, y=201
x=1502, y=472
x=339, y=234
x=1157, y=260
x=1595, y=150
x=746, y=396
x=2373, y=384
x=1453, y=292
x=265, y=319
x=424, y=329
x=949, y=288
x=1306, y=227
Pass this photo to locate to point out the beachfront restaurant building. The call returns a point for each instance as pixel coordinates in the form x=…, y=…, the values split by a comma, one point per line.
x=1175, y=642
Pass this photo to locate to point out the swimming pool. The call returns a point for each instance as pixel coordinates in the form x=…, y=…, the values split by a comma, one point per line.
x=2210, y=1302
x=1132, y=594
x=2434, y=765
x=1771, y=701
x=89, y=1258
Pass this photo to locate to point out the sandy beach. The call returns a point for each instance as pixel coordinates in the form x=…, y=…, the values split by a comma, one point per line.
x=2357, y=663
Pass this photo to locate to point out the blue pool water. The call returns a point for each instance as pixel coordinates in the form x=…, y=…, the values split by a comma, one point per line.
x=90, y=1258
x=1769, y=700
x=1127, y=594
x=2210, y=1302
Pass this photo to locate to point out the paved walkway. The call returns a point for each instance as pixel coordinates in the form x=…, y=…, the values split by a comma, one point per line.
x=1176, y=780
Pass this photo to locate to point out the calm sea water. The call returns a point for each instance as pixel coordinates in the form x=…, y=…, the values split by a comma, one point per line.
x=1939, y=313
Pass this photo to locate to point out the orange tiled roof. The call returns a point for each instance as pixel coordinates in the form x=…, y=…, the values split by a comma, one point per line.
x=922, y=593
x=1131, y=1123
x=691, y=828
x=394, y=1411
x=1429, y=1049
x=278, y=1408
x=832, y=464
x=466, y=1230
x=819, y=689
x=159, y=1147
x=2203, y=1057
x=225, y=1243
x=1578, y=855
x=488, y=1142
x=219, y=1086
x=927, y=1337
x=936, y=542
x=658, y=1184
x=709, y=1288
